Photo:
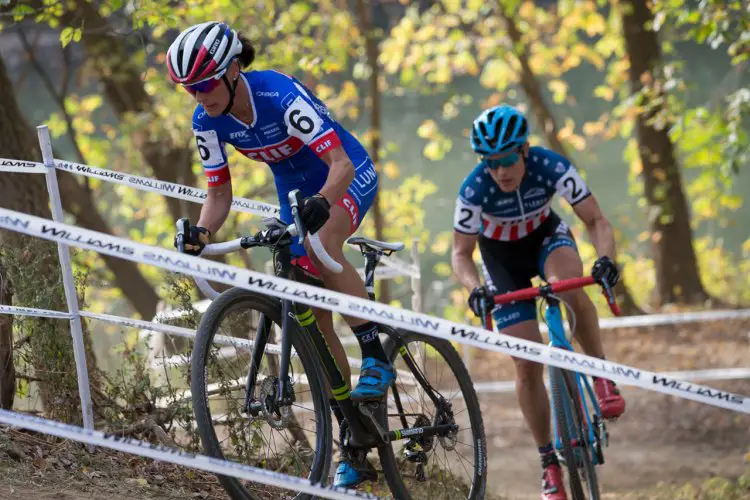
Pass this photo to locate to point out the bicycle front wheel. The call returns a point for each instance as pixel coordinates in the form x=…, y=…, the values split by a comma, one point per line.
x=433, y=388
x=571, y=428
x=293, y=439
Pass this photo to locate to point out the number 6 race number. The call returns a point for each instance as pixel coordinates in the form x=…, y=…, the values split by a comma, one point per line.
x=302, y=120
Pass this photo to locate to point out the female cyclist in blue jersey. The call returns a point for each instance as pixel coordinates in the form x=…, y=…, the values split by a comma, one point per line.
x=504, y=206
x=271, y=117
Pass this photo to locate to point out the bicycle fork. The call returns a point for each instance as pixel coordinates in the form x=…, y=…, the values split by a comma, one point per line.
x=594, y=431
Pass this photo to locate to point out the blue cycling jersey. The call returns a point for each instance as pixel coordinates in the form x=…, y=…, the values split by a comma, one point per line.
x=482, y=207
x=291, y=132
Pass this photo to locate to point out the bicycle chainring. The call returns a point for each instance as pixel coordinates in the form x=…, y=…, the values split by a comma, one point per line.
x=425, y=443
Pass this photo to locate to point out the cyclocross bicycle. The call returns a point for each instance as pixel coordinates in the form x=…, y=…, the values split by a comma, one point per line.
x=266, y=404
x=579, y=429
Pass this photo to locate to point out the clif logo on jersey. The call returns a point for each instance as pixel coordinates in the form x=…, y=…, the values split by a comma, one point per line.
x=274, y=153
x=323, y=146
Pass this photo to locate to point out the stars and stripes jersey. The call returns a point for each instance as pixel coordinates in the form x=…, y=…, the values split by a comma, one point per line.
x=291, y=131
x=483, y=208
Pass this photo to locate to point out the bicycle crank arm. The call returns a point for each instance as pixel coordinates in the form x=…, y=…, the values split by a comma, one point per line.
x=371, y=421
x=426, y=432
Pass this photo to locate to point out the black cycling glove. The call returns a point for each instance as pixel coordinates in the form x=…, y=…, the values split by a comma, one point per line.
x=315, y=212
x=605, y=271
x=193, y=242
x=480, y=301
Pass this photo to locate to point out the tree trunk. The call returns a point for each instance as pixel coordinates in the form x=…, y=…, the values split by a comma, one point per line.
x=677, y=278
x=7, y=368
x=33, y=268
x=77, y=201
x=533, y=90
x=371, y=48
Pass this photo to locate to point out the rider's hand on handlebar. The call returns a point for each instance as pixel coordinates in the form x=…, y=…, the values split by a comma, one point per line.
x=480, y=301
x=605, y=271
x=315, y=212
x=195, y=240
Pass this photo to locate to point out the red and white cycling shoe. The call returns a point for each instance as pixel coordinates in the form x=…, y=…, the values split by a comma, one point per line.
x=552, y=483
x=611, y=402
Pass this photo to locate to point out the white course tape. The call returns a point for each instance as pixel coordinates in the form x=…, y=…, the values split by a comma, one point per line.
x=143, y=183
x=715, y=374
x=176, y=330
x=30, y=311
x=354, y=306
x=672, y=318
x=179, y=457
x=403, y=267
x=21, y=166
x=159, y=327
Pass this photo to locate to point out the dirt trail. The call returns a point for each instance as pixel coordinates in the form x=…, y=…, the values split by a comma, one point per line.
x=660, y=439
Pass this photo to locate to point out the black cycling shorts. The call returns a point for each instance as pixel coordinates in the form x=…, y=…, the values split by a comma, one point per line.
x=510, y=265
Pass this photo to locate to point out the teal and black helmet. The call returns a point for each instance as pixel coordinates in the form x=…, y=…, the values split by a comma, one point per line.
x=499, y=129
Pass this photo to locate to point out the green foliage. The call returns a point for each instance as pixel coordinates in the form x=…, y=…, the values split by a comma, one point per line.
x=426, y=52
x=70, y=34
x=718, y=23
x=43, y=346
x=716, y=488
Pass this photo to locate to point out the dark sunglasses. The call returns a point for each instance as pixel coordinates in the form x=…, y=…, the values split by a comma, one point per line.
x=205, y=86
x=504, y=162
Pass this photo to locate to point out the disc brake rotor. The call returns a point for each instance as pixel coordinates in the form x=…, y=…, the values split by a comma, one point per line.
x=450, y=439
x=277, y=417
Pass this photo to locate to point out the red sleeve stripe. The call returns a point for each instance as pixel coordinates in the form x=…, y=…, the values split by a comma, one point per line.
x=218, y=176
x=325, y=142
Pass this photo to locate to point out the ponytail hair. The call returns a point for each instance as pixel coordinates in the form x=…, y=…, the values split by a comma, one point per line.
x=247, y=56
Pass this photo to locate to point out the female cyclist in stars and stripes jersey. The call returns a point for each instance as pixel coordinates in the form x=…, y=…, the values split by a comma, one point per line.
x=272, y=118
x=504, y=205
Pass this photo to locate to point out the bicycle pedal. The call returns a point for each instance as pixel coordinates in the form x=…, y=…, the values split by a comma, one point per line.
x=367, y=471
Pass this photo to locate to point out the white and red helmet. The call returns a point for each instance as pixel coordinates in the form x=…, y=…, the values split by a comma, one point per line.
x=202, y=51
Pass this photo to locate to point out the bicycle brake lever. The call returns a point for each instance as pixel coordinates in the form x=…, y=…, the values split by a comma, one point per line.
x=295, y=199
x=183, y=227
x=610, y=296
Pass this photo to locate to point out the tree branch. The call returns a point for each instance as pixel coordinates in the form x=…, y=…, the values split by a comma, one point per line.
x=78, y=201
x=59, y=97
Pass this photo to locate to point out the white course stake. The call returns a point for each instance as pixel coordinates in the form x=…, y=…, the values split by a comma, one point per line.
x=63, y=251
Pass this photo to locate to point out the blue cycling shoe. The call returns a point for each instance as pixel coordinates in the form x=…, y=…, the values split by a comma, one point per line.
x=347, y=476
x=375, y=377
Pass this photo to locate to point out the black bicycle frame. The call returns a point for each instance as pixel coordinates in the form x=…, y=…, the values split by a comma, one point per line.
x=363, y=419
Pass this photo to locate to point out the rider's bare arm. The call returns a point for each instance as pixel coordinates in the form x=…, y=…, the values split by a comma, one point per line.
x=598, y=227
x=216, y=209
x=463, y=265
x=340, y=175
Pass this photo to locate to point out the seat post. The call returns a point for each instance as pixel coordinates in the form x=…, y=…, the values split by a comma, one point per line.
x=371, y=261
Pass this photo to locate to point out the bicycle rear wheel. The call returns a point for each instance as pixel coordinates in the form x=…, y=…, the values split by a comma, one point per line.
x=294, y=439
x=450, y=465
x=571, y=427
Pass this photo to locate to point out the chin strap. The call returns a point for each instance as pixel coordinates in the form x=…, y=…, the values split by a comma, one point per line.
x=231, y=88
